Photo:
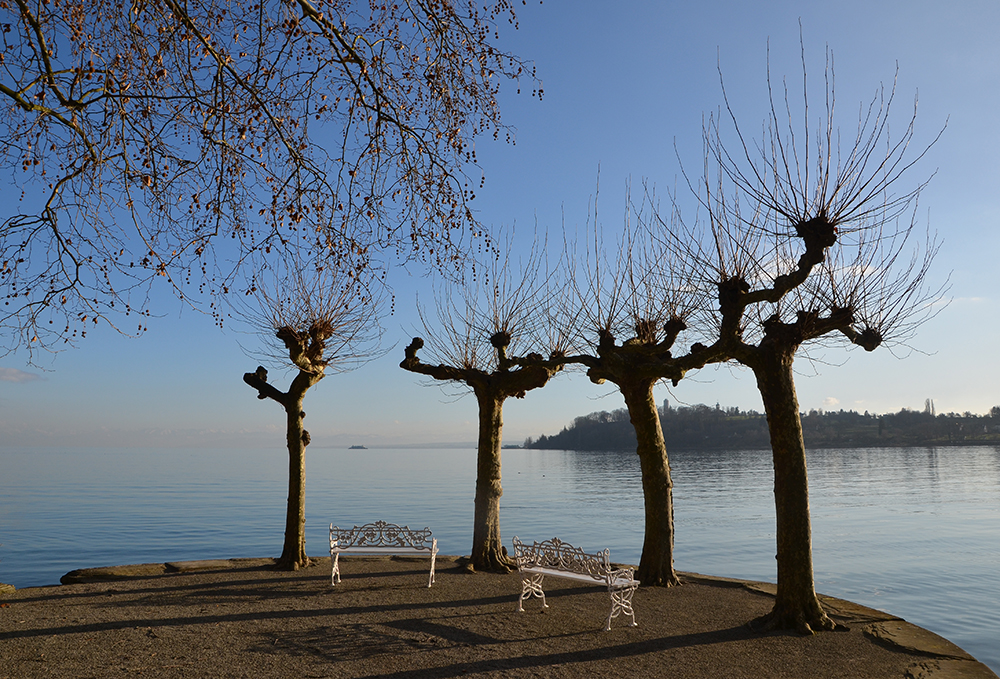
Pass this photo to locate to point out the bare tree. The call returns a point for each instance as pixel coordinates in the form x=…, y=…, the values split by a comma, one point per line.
x=482, y=340
x=316, y=319
x=804, y=241
x=167, y=141
x=632, y=290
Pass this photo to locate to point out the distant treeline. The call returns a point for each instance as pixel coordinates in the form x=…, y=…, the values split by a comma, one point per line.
x=704, y=427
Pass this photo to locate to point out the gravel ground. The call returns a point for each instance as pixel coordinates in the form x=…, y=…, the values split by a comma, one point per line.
x=240, y=618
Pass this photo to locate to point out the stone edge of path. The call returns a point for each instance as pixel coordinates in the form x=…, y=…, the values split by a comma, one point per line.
x=945, y=660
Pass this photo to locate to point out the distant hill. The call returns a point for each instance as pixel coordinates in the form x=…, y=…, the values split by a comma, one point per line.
x=703, y=427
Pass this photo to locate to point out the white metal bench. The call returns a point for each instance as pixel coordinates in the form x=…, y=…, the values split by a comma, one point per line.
x=561, y=559
x=380, y=538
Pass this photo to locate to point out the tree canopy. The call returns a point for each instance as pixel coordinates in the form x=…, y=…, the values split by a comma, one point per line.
x=170, y=140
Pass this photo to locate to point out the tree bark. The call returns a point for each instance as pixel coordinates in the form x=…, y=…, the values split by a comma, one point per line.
x=488, y=553
x=656, y=565
x=293, y=552
x=796, y=605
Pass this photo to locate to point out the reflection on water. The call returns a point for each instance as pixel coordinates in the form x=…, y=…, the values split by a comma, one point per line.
x=912, y=531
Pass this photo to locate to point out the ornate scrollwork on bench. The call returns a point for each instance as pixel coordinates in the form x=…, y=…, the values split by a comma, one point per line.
x=561, y=559
x=380, y=538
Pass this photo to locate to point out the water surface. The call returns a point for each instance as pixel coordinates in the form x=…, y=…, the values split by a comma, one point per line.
x=915, y=532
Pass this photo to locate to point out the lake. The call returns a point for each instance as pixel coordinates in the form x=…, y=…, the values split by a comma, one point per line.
x=913, y=531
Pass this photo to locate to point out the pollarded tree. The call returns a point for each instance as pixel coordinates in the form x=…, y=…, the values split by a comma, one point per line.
x=805, y=241
x=316, y=320
x=168, y=140
x=645, y=296
x=482, y=340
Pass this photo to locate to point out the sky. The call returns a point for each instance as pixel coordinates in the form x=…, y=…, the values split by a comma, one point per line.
x=624, y=87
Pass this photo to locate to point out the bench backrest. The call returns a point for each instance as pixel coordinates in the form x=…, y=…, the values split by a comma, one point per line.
x=380, y=535
x=562, y=556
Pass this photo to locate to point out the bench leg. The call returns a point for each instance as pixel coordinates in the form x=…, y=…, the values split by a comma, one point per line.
x=531, y=585
x=621, y=602
x=335, y=570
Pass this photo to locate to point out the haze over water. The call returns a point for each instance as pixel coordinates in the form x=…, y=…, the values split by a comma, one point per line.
x=915, y=532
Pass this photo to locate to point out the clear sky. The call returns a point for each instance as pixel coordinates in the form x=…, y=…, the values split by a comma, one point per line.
x=623, y=83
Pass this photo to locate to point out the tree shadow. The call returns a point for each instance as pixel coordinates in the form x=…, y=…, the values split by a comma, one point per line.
x=403, y=640
x=232, y=593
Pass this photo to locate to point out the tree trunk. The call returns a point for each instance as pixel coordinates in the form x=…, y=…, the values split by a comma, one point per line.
x=796, y=605
x=293, y=553
x=656, y=565
x=488, y=553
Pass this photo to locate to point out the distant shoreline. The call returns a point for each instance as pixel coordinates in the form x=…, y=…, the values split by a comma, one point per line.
x=832, y=446
x=702, y=428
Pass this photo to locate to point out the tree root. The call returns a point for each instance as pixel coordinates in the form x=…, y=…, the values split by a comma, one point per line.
x=492, y=561
x=290, y=564
x=657, y=578
x=801, y=621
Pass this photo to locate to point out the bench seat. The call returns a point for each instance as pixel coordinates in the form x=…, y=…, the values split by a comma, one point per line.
x=618, y=583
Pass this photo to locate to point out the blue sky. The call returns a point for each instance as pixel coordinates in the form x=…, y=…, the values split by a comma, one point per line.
x=623, y=85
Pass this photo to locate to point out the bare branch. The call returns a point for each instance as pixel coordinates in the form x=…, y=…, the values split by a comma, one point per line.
x=502, y=313
x=312, y=316
x=165, y=143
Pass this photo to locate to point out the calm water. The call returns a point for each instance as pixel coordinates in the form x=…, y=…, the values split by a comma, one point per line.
x=915, y=532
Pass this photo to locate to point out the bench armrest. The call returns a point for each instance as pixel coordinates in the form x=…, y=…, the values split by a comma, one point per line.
x=626, y=574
